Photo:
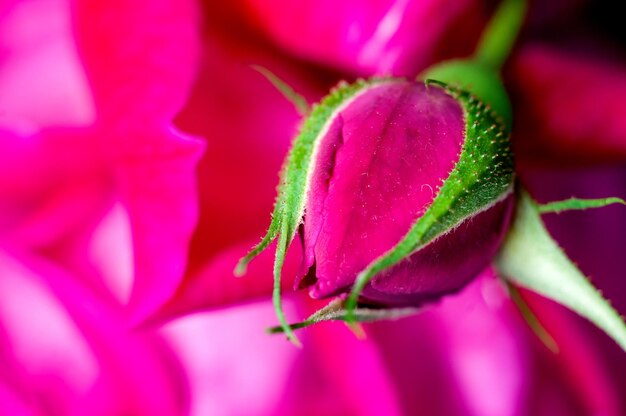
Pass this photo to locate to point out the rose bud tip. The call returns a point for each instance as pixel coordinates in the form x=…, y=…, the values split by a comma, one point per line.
x=362, y=174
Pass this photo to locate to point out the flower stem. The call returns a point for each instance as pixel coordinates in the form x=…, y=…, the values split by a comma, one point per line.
x=501, y=32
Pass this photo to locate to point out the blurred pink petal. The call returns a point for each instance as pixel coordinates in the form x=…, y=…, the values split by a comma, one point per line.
x=111, y=239
x=141, y=62
x=13, y=403
x=249, y=125
x=140, y=56
x=383, y=36
x=74, y=349
x=486, y=355
x=156, y=178
x=36, y=35
x=582, y=371
x=464, y=356
x=569, y=105
x=234, y=367
x=50, y=184
x=354, y=369
x=216, y=286
x=140, y=75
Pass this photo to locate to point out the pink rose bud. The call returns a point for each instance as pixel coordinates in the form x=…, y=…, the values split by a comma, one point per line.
x=405, y=189
x=378, y=168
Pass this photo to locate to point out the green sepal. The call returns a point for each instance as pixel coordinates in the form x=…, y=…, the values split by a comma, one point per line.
x=531, y=319
x=476, y=77
x=530, y=258
x=335, y=311
x=483, y=176
x=294, y=183
x=577, y=204
x=298, y=101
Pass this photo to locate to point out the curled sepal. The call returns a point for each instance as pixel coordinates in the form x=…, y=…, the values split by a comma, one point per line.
x=294, y=184
x=299, y=102
x=335, y=311
x=530, y=258
x=577, y=204
x=482, y=177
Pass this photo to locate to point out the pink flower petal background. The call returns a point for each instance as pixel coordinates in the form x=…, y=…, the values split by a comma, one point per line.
x=138, y=160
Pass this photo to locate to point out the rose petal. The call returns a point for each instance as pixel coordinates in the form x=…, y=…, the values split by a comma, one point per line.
x=250, y=126
x=233, y=367
x=156, y=177
x=396, y=143
x=582, y=371
x=465, y=355
x=51, y=184
x=36, y=35
x=354, y=369
x=141, y=59
x=77, y=350
x=399, y=37
x=140, y=56
x=569, y=106
x=216, y=286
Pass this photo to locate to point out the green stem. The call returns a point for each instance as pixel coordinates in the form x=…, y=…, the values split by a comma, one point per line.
x=500, y=34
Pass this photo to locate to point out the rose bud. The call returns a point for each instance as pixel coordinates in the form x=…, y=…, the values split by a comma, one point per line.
x=405, y=188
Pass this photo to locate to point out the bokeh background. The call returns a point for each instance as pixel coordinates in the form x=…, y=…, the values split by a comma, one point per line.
x=139, y=155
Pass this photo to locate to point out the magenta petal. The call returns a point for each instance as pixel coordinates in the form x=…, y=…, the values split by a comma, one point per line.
x=37, y=35
x=570, y=106
x=465, y=356
x=487, y=357
x=12, y=403
x=585, y=375
x=447, y=264
x=216, y=286
x=156, y=176
x=51, y=184
x=76, y=350
x=249, y=125
x=140, y=56
x=233, y=367
x=141, y=60
x=353, y=367
x=394, y=146
x=398, y=37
